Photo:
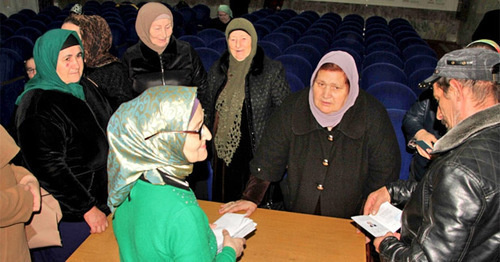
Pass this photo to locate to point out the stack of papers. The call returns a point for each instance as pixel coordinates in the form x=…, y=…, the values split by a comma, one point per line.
x=388, y=218
x=237, y=225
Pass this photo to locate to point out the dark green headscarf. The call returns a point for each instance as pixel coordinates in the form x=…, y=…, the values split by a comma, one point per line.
x=45, y=53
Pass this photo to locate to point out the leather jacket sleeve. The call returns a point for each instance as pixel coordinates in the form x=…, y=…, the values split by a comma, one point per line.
x=401, y=190
x=448, y=223
x=414, y=118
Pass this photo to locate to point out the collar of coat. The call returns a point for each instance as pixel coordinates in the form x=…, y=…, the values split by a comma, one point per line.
x=150, y=53
x=255, y=68
x=467, y=128
x=352, y=125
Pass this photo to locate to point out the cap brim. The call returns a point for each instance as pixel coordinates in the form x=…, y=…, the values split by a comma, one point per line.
x=428, y=82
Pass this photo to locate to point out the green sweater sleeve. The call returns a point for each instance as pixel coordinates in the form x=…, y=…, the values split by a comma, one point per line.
x=193, y=240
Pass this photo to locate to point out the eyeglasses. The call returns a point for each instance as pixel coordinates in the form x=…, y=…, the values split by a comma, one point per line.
x=199, y=132
x=30, y=70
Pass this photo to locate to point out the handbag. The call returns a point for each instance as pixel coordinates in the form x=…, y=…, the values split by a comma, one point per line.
x=43, y=228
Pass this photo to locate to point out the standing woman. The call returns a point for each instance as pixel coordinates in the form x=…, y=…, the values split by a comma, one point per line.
x=154, y=141
x=103, y=70
x=61, y=141
x=160, y=59
x=245, y=87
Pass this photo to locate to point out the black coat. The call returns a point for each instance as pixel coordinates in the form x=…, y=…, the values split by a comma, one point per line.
x=453, y=213
x=64, y=145
x=179, y=64
x=266, y=88
x=362, y=155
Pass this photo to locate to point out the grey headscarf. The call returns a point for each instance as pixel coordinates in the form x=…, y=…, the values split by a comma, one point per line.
x=348, y=65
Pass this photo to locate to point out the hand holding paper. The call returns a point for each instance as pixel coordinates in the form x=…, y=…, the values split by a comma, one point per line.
x=388, y=219
x=237, y=225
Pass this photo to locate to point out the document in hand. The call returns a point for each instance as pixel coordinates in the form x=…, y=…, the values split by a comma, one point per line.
x=388, y=218
x=236, y=224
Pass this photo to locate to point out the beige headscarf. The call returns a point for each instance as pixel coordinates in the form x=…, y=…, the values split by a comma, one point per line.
x=149, y=13
x=230, y=102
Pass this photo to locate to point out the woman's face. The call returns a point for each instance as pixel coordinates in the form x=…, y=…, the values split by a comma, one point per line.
x=223, y=17
x=240, y=44
x=70, y=64
x=160, y=32
x=72, y=27
x=195, y=148
x=330, y=91
x=30, y=67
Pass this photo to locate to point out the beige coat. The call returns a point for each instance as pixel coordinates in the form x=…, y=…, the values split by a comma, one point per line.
x=16, y=204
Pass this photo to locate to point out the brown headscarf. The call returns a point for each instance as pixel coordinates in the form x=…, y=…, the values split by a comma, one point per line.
x=96, y=39
x=145, y=17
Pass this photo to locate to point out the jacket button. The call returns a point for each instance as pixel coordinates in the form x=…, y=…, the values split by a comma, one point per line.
x=325, y=162
x=330, y=138
x=320, y=187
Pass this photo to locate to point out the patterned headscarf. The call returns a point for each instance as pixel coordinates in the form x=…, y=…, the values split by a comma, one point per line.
x=346, y=62
x=45, y=53
x=97, y=40
x=154, y=113
x=149, y=13
x=230, y=102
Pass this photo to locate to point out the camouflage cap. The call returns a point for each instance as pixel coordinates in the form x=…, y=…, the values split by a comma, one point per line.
x=469, y=63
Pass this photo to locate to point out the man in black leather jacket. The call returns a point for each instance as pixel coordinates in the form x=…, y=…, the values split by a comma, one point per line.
x=453, y=213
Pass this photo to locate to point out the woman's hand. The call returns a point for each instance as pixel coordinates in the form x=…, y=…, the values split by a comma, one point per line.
x=238, y=244
x=96, y=220
x=31, y=184
x=375, y=199
x=232, y=207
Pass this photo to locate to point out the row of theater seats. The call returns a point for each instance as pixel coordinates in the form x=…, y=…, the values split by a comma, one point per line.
x=391, y=57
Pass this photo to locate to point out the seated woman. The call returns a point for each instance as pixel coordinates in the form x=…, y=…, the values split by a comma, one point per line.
x=154, y=141
x=224, y=16
x=159, y=58
x=335, y=141
x=62, y=142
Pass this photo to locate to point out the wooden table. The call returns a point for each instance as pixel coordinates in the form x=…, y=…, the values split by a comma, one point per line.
x=280, y=236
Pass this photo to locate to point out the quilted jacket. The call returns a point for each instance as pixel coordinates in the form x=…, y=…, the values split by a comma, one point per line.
x=453, y=213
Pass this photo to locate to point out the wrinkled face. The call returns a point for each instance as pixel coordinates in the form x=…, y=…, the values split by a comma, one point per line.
x=223, y=17
x=160, y=32
x=70, y=64
x=30, y=67
x=195, y=149
x=330, y=91
x=447, y=111
x=72, y=27
x=240, y=44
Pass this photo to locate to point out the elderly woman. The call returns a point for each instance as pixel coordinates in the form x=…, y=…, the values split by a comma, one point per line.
x=159, y=58
x=61, y=141
x=335, y=141
x=224, y=16
x=103, y=70
x=154, y=139
x=245, y=87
